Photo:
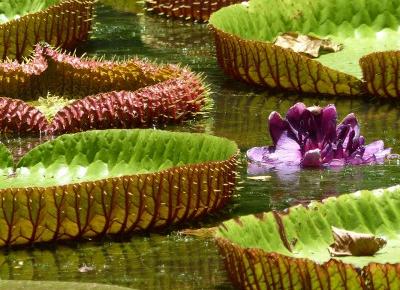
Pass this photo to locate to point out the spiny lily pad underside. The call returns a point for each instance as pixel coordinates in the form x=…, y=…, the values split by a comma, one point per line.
x=24, y=23
x=245, y=33
x=295, y=244
x=113, y=182
x=114, y=94
x=187, y=10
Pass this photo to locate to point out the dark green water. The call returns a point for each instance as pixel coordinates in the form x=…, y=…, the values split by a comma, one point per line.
x=171, y=261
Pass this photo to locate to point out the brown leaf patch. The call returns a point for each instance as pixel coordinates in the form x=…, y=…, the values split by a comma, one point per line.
x=308, y=45
x=348, y=243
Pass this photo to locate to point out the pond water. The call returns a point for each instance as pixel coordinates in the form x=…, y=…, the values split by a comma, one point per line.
x=172, y=261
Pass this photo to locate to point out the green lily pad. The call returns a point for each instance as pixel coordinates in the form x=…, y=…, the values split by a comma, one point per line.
x=14, y=9
x=24, y=23
x=294, y=244
x=362, y=26
x=40, y=285
x=113, y=182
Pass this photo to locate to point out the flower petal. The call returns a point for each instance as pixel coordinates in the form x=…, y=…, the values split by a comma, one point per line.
x=287, y=151
x=276, y=126
x=337, y=163
x=327, y=128
x=256, y=154
x=373, y=148
x=349, y=120
x=312, y=158
x=381, y=155
x=294, y=117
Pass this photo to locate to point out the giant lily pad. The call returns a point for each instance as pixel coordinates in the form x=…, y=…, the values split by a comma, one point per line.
x=290, y=250
x=113, y=94
x=368, y=30
x=113, y=182
x=187, y=10
x=24, y=23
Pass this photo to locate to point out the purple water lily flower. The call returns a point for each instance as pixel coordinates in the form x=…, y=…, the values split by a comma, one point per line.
x=309, y=137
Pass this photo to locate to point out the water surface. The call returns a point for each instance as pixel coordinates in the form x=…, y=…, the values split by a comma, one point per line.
x=240, y=112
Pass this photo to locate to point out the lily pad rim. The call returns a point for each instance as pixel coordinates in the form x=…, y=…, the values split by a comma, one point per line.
x=304, y=58
x=222, y=241
x=44, y=11
x=232, y=158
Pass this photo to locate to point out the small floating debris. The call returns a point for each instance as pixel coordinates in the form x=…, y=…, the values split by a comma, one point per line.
x=260, y=178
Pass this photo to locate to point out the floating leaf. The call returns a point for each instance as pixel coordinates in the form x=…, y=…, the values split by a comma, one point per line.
x=368, y=30
x=114, y=182
x=348, y=243
x=293, y=245
x=27, y=22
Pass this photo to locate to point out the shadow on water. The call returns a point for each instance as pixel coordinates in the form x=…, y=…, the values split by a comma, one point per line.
x=239, y=113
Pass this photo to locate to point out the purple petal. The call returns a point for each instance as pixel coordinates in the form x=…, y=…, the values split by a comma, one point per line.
x=276, y=126
x=381, y=155
x=337, y=163
x=294, y=115
x=287, y=151
x=355, y=160
x=312, y=158
x=327, y=154
x=373, y=148
x=256, y=154
x=257, y=169
x=351, y=121
x=327, y=128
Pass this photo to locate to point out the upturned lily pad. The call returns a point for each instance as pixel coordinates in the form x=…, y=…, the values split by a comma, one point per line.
x=187, y=10
x=367, y=30
x=24, y=23
x=290, y=250
x=109, y=182
x=85, y=93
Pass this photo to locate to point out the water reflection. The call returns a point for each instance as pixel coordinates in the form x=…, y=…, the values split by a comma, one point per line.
x=291, y=187
x=155, y=262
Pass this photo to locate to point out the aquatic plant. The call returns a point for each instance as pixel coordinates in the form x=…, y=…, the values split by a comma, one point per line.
x=114, y=94
x=187, y=10
x=290, y=249
x=248, y=47
x=310, y=137
x=113, y=182
x=24, y=23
